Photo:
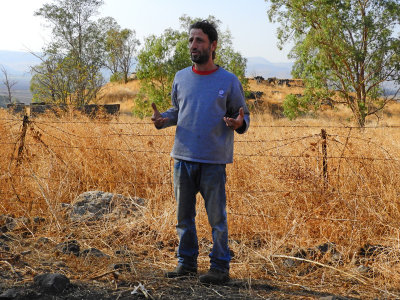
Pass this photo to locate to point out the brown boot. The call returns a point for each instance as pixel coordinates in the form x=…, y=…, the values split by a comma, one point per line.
x=215, y=276
x=181, y=271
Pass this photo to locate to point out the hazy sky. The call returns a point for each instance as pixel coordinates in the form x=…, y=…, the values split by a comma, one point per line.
x=253, y=35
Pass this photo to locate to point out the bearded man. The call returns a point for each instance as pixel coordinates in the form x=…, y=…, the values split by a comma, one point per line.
x=208, y=106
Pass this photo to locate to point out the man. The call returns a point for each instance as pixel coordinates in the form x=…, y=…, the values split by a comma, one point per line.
x=208, y=106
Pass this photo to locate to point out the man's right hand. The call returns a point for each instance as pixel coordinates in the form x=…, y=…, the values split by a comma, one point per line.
x=157, y=119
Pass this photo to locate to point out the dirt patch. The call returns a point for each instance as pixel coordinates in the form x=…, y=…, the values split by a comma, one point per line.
x=156, y=287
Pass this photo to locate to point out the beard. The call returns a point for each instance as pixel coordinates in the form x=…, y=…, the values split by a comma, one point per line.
x=201, y=58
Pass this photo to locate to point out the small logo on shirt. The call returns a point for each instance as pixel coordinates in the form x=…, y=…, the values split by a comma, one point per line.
x=221, y=93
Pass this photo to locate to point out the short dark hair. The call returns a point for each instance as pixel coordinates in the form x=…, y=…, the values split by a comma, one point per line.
x=208, y=28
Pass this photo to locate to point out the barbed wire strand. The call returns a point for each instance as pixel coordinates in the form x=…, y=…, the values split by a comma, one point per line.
x=98, y=121
x=237, y=154
x=361, y=139
x=104, y=135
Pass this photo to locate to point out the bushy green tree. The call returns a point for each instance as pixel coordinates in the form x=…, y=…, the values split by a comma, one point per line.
x=72, y=61
x=344, y=50
x=162, y=56
x=121, y=47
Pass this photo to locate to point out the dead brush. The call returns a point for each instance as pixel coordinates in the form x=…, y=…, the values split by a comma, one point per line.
x=118, y=93
x=277, y=201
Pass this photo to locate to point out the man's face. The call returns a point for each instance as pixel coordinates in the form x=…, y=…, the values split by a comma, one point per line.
x=200, y=47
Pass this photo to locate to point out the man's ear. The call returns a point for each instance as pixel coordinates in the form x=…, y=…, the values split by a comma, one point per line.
x=213, y=46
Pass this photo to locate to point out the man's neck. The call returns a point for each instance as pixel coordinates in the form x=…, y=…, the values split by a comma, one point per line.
x=203, y=72
x=209, y=66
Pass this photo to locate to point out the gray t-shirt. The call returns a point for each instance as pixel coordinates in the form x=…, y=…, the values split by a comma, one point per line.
x=200, y=102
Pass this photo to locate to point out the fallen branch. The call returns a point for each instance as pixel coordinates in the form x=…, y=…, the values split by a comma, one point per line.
x=320, y=264
x=103, y=274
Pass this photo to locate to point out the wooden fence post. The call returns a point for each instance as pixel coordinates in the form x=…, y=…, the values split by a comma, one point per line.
x=25, y=123
x=324, y=158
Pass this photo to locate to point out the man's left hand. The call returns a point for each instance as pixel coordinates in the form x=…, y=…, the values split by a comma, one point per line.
x=235, y=123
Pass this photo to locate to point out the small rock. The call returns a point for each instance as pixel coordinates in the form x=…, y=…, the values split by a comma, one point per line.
x=160, y=245
x=59, y=264
x=7, y=223
x=44, y=242
x=4, y=246
x=291, y=263
x=5, y=237
x=69, y=247
x=121, y=267
x=369, y=250
x=93, y=205
x=122, y=252
x=363, y=269
x=9, y=294
x=93, y=252
x=26, y=234
x=324, y=248
x=38, y=220
x=337, y=257
x=52, y=282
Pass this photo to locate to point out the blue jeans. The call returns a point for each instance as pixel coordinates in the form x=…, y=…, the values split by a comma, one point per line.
x=208, y=179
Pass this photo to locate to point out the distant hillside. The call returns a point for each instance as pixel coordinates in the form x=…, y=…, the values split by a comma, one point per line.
x=18, y=64
x=259, y=66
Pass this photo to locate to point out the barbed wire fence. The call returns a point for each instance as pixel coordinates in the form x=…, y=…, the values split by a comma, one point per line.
x=51, y=135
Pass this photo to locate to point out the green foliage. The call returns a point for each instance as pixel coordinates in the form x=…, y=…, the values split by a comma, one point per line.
x=231, y=60
x=158, y=62
x=120, y=49
x=162, y=56
x=346, y=46
x=142, y=106
x=294, y=106
x=71, y=62
x=117, y=77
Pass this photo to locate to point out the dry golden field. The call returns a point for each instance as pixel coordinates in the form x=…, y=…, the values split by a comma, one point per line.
x=306, y=222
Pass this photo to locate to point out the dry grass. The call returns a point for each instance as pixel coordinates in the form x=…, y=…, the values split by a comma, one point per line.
x=124, y=94
x=277, y=199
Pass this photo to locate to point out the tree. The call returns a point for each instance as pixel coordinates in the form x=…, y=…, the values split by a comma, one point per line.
x=55, y=80
x=120, y=47
x=162, y=56
x=344, y=50
x=72, y=61
x=48, y=84
x=9, y=83
x=158, y=61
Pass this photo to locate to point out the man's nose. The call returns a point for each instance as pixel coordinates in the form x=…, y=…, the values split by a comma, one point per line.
x=193, y=45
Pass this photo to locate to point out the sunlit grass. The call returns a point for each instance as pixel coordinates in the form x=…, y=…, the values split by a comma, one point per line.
x=278, y=201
